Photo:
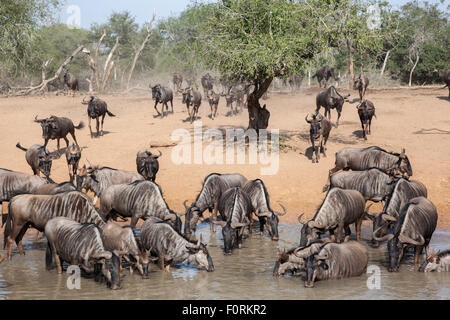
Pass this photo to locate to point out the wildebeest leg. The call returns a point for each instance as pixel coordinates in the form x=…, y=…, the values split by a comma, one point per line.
x=56, y=259
x=97, y=126
x=74, y=139
x=239, y=237
x=262, y=222
x=103, y=120
x=417, y=253
x=171, y=104
x=129, y=263
x=332, y=236
x=90, y=128
x=348, y=232
x=340, y=228
x=358, y=229
x=161, y=262
x=213, y=217
x=57, y=144
x=337, y=122
x=67, y=142
x=364, y=130
x=134, y=220
x=156, y=103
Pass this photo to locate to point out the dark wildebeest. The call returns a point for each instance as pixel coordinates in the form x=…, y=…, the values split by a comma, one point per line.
x=366, y=111
x=192, y=97
x=331, y=99
x=437, y=262
x=58, y=128
x=336, y=261
x=161, y=240
x=237, y=92
x=97, y=179
x=73, y=156
x=235, y=208
x=295, y=259
x=177, y=80
x=213, y=187
x=162, y=95
x=81, y=245
x=446, y=79
x=319, y=131
x=373, y=184
x=259, y=197
x=361, y=83
x=325, y=73
x=138, y=200
x=97, y=108
x=14, y=183
x=413, y=228
x=213, y=99
x=71, y=82
x=403, y=192
x=207, y=83
x=39, y=159
x=357, y=159
x=339, y=210
x=147, y=164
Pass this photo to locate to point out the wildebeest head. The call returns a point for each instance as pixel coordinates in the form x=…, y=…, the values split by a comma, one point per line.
x=310, y=231
x=73, y=154
x=230, y=234
x=48, y=126
x=45, y=163
x=193, y=215
x=404, y=166
x=357, y=83
x=313, y=263
x=316, y=125
x=156, y=92
x=433, y=262
x=152, y=166
x=86, y=179
x=199, y=255
x=187, y=95
x=271, y=220
x=109, y=265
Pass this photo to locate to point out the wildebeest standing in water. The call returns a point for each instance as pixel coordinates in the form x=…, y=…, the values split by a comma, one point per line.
x=366, y=111
x=39, y=159
x=97, y=108
x=71, y=82
x=58, y=128
x=162, y=95
x=331, y=99
x=361, y=83
x=161, y=240
x=81, y=245
x=73, y=156
x=324, y=73
x=147, y=164
x=192, y=97
x=319, y=131
x=437, y=262
x=177, y=80
x=213, y=99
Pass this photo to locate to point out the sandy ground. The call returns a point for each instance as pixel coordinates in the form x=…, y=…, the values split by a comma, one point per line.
x=417, y=120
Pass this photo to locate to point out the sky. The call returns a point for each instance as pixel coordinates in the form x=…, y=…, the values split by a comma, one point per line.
x=87, y=12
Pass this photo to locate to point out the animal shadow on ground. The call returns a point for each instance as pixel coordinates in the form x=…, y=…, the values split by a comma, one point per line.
x=444, y=98
x=98, y=136
x=355, y=100
x=188, y=119
x=231, y=114
x=359, y=134
x=432, y=131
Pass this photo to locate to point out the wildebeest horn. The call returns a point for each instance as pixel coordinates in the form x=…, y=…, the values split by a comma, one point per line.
x=300, y=218
x=313, y=224
x=38, y=120
x=306, y=119
x=384, y=238
x=284, y=211
x=156, y=157
x=84, y=101
x=388, y=218
x=185, y=205
x=406, y=239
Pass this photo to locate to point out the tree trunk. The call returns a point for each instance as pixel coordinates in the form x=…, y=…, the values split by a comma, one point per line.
x=385, y=62
x=350, y=61
x=412, y=70
x=258, y=117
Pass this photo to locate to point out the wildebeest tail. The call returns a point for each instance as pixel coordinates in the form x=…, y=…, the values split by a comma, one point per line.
x=110, y=113
x=8, y=227
x=80, y=126
x=20, y=147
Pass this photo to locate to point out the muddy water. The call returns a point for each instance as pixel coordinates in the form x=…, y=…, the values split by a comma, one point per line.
x=247, y=274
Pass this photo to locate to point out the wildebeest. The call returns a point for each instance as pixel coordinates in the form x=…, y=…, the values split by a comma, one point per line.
x=73, y=156
x=336, y=261
x=446, y=79
x=331, y=99
x=39, y=159
x=82, y=245
x=55, y=188
x=162, y=241
x=138, y=200
x=357, y=159
x=259, y=197
x=97, y=179
x=366, y=111
x=361, y=83
x=71, y=82
x=207, y=83
x=295, y=82
x=97, y=108
x=324, y=73
x=403, y=192
x=235, y=208
x=147, y=164
x=162, y=95
x=58, y=128
x=192, y=97
x=190, y=80
x=437, y=262
x=339, y=210
x=177, y=80
x=319, y=131
x=213, y=99
x=413, y=228
x=213, y=187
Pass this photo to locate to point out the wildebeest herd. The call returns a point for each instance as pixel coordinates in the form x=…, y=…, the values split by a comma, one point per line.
x=79, y=233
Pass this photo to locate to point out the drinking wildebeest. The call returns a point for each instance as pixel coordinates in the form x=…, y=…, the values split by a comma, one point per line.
x=138, y=200
x=58, y=128
x=177, y=80
x=403, y=192
x=336, y=261
x=259, y=197
x=97, y=108
x=213, y=187
x=319, y=131
x=366, y=111
x=339, y=210
x=39, y=159
x=437, y=262
x=97, y=179
x=361, y=83
x=235, y=208
x=295, y=259
x=213, y=99
x=82, y=245
x=331, y=99
x=324, y=73
x=162, y=95
x=192, y=97
x=147, y=164
x=14, y=183
x=73, y=156
x=373, y=184
x=161, y=240
x=413, y=228
x=207, y=83
x=357, y=159
x=71, y=82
